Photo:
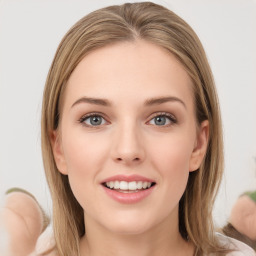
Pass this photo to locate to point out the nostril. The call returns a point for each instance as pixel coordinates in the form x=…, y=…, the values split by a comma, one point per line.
x=135, y=159
x=128, y=159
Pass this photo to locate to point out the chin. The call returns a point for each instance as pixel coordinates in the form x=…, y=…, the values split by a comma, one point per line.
x=130, y=224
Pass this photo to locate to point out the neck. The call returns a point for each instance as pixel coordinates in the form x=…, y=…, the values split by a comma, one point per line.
x=164, y=240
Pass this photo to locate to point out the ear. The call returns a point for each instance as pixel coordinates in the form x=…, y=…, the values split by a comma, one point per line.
x=200, y=148
x=58, y=152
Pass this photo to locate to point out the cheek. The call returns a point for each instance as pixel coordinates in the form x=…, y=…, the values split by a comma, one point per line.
x=172, y=154
x=85, y=157
x=84, y=153
x=171, y=160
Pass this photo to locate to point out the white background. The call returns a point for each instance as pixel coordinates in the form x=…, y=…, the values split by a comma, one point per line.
x=29, y=35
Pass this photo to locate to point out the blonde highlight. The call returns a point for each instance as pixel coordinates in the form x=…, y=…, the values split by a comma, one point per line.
x=158, y=25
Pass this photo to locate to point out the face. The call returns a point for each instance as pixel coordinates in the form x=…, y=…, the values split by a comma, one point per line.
x=128, y=137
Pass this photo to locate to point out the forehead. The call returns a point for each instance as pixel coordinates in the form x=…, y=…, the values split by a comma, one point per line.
x=129, y=71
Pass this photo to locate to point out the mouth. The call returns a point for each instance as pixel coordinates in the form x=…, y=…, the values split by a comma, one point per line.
x=128, y=187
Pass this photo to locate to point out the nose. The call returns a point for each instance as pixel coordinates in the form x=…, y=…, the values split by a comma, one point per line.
x=128, y=146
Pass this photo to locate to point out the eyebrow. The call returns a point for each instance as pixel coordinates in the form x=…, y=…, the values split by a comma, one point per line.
x=95, y=101
x=148, y=102
x=161, y=100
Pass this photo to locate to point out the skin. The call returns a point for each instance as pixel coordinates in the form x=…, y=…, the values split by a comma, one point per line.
x=130, y=141
x=243, y=216
x=23, y=223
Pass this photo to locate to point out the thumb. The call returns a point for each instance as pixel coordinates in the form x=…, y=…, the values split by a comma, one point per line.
x=23, y=222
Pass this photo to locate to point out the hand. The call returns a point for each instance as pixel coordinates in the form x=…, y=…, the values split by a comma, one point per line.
x=23, y=221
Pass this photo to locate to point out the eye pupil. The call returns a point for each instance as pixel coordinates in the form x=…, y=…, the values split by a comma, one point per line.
x=95, y=120
x=160, y=120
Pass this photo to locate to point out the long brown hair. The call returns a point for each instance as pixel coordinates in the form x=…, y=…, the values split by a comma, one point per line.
x=160, y=26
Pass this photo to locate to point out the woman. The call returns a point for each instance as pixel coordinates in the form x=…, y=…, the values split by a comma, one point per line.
x=131, y=137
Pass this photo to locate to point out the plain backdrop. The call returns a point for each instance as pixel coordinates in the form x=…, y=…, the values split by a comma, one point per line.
x=30, y=31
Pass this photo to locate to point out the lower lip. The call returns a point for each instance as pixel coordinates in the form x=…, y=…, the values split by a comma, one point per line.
x=128, y=198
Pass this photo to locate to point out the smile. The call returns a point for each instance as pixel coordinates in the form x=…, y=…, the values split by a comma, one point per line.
x=128, y=187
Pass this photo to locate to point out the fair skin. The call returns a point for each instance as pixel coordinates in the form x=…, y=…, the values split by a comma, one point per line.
x=21, y=219
x=133, y=132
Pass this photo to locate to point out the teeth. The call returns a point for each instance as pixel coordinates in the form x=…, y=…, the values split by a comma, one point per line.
x=124, y=185
x=111, y=184
x=116, y=185
x=145, y=184
x=139, y=185
x=132, y=185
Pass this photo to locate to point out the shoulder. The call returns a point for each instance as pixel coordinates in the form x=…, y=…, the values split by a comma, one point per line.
x=240, y=248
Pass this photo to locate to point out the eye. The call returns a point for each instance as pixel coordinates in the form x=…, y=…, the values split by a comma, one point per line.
x=93, y=120
x=164, y=119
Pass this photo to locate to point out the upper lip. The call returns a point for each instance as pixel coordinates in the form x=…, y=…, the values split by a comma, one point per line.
x=129, y=178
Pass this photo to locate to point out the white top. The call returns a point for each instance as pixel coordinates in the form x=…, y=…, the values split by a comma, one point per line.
x=46, y=242
x=241, y=249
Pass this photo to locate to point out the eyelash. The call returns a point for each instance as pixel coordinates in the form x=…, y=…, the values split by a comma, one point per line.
x=171, y=118
x=83, y=118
